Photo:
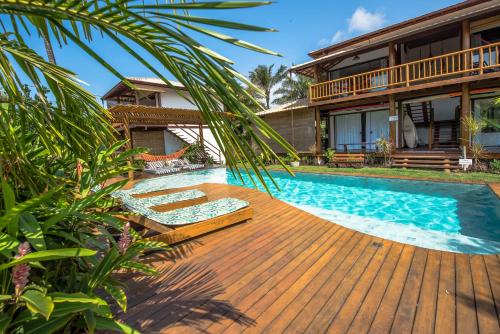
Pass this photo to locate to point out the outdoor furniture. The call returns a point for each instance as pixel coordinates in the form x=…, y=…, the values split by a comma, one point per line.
x=161, y=203
x=160, y=168
x=348, y=159
x=186, y=223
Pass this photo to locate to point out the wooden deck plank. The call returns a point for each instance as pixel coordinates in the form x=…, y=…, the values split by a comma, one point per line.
x=366, y=313
x=466, y=304
x=493, y=268
x=289, y=271
x=425, y=317
x=363, y=268
x=254, y=293
x=282, y=319
x=343, y=319
x=446, y=309
x=278, y=265
x=405, y=314
x=246, y=261
x=485, y=306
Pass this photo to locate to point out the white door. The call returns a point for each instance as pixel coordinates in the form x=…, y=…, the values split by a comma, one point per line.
x=377, y=126
x=348, y=132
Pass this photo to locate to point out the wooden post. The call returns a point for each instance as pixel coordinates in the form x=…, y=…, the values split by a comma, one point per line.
x=392, y=125
x=129, y=145
x=464, y=111
x=293, y=130
x=202, y=140
x=465, y=44
x=318, y=130
x=392, y=62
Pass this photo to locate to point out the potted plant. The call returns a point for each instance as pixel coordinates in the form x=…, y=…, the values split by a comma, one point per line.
x=294, y=161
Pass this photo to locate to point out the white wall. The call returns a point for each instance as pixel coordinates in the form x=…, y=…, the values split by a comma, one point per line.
x=172, y=99
x=172, y=143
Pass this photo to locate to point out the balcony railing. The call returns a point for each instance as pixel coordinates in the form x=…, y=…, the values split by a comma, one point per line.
x=479, y=60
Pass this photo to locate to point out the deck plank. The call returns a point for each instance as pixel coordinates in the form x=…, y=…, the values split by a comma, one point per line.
x=289, y=271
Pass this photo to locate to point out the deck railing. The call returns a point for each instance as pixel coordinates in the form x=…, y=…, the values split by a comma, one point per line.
x=473, y=61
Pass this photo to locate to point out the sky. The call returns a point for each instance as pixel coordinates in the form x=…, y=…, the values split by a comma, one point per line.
x=303, y=26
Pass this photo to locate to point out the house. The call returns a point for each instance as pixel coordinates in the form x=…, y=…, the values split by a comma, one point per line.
x=160, y=117
x=412, y=83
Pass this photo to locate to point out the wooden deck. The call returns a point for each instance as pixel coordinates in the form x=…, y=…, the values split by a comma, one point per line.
x=289, y=271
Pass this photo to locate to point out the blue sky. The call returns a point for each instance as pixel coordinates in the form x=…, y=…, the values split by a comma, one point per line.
x=303, y=26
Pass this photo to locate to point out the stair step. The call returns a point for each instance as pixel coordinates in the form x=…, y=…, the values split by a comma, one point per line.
x=428, y=157
x=426, y=166
x=431, y=162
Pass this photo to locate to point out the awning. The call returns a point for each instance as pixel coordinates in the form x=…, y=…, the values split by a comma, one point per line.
x=144, y=115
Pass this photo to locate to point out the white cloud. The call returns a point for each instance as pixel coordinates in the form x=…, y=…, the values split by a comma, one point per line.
x=364, y=21
x=337, y=37
x=361, y=21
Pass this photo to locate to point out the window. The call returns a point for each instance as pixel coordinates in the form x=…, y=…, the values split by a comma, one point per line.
x=488, y=110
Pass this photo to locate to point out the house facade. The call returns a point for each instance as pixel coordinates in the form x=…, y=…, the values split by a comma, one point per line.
x=413, y=83
x=165, y=120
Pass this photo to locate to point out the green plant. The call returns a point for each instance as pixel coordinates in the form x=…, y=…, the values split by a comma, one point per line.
x=58, y=148
x=265, y=79
x=58, y=252
x=384, y=147
x=474, y=127
x=495, y=166
x=292, y=89
x=330, y=154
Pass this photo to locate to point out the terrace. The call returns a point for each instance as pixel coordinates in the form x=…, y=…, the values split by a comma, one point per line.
x=449, y=69
x=289, y=271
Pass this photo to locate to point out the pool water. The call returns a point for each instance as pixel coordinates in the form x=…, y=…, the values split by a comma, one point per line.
x=446, y=216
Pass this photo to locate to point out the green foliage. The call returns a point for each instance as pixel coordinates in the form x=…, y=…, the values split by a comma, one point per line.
x=292, y=89
x=385, y=147
x=330, y=154
x=74, y=253
x=58, y=149
x=495, y=166
x=265, y=79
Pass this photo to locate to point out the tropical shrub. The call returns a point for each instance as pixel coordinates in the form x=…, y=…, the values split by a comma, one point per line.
x=495, y=166
x=58, y=251
x=384, y=147
x=330, y=154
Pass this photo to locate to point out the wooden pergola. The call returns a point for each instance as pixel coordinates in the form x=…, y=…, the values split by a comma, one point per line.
x=138, y=115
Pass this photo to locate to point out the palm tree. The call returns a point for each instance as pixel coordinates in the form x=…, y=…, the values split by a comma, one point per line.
x=264, y=78
x=160, y=30
x=57, y=148
x=292, y=89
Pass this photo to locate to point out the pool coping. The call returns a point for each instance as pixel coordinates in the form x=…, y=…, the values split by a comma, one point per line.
x=494, y=186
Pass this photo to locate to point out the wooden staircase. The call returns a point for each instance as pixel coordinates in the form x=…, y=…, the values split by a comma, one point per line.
x=426, y=160
x=446, y=134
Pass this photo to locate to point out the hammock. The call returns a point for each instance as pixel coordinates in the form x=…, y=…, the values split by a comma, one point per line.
x=150, y=157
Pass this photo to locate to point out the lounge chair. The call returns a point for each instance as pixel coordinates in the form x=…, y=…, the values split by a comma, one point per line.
x=151, y=205
x=189, y=222
x=160, y=168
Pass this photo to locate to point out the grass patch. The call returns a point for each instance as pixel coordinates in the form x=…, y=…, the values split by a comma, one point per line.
x=400, y=172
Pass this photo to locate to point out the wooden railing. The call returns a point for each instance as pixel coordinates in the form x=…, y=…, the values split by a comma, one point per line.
x=473, y=61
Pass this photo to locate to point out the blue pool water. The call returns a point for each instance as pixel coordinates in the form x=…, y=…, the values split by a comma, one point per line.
x=446, y=216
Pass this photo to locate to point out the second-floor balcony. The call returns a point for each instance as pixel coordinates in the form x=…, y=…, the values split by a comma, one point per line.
x=474, y=61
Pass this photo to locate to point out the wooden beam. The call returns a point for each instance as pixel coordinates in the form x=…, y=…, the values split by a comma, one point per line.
x=392, y=125
x=465, y=110
x=318, y=129
x=465, y=34
x=128, y=137
x=202, y=141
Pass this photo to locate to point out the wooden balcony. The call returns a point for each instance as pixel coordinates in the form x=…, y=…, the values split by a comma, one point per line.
x=475, y=61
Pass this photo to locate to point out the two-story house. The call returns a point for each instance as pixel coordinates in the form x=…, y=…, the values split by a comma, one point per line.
x=413, y=83
x=162, y=118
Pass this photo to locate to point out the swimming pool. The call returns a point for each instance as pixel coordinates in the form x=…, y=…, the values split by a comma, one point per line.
x=445, y=216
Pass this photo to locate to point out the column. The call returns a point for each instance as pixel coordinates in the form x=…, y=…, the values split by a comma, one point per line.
x=318, y=130
x=465, y=110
